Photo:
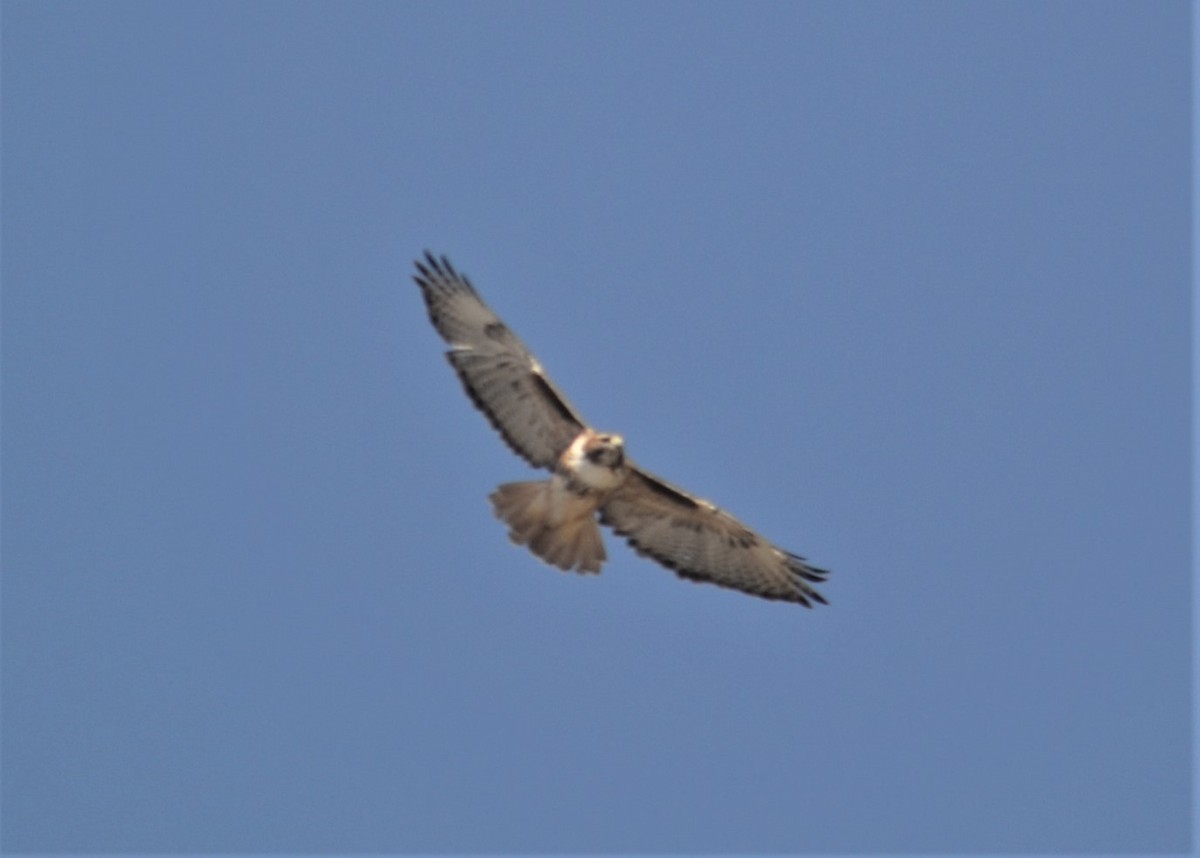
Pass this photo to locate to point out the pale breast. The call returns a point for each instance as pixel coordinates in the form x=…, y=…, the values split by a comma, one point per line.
x=585, y=474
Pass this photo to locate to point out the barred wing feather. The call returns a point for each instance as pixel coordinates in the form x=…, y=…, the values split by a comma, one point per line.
x=498, y=372
x=700, y=542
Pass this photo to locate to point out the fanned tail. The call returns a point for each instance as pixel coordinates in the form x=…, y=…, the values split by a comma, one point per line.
x=557, y=527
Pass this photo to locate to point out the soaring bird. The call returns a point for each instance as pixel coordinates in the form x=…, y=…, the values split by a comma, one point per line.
x=592, y=479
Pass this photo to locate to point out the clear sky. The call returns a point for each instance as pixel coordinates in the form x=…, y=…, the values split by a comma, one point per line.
x=904, y=285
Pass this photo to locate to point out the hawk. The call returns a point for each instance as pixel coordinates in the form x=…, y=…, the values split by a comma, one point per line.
x=591, y=476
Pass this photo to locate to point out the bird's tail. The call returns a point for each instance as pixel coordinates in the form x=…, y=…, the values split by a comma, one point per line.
x=556, y=526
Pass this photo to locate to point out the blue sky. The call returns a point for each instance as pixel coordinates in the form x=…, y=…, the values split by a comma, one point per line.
x=903, y=285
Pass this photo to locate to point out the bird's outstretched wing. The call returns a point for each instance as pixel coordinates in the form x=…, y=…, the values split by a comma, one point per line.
x=499, y=373
x=702, y=543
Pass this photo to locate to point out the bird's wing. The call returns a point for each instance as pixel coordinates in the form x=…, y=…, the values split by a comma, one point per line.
x=499, y=373
x=702, y=543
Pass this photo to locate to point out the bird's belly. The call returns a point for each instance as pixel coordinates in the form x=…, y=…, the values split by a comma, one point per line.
x=594, y=477
x=566, y=503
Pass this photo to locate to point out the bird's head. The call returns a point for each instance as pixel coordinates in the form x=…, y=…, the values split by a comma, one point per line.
x=605, y=450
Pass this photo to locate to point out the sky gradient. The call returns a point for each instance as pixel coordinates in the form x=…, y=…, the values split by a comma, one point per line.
x=905, y=286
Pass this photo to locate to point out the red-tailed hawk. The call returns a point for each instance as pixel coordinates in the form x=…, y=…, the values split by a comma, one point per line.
x=557, y=518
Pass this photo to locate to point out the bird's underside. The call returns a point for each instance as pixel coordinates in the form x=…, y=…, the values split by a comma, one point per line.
x=592, y=480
